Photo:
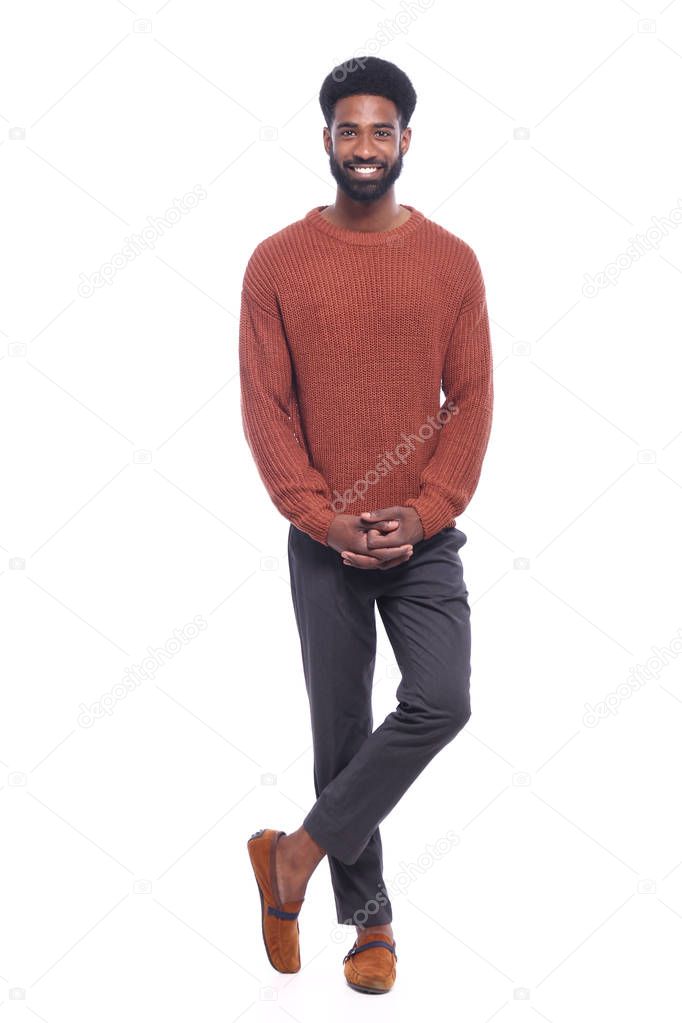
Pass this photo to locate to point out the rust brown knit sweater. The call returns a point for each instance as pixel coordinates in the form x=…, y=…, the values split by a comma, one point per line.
x=345, y=339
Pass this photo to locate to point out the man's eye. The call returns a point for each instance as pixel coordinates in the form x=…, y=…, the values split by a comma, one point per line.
x=349, y=131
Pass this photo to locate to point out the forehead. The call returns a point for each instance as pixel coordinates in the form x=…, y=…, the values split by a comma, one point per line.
x=365, y=108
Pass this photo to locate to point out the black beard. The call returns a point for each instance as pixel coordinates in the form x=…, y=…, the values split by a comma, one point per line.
x=360, y=190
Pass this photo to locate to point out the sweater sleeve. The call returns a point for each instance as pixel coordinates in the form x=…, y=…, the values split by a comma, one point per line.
x=269, y=411
x=448, y=481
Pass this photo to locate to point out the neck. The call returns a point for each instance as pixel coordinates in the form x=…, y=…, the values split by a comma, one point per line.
x=381, y=215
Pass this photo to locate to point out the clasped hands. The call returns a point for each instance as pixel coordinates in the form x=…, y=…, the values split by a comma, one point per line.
x=379, y=539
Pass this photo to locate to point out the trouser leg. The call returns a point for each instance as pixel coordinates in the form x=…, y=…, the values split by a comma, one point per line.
x=337, y=629
x=423, y=604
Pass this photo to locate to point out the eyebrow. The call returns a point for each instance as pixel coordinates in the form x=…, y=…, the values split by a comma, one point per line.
x=354, y=124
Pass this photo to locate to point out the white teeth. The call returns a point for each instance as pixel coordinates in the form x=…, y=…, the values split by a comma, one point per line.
x=365, y=170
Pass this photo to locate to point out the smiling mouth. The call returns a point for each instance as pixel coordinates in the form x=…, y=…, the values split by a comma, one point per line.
x=365, y=170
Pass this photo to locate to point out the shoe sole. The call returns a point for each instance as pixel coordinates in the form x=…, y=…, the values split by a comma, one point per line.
x=369, y=990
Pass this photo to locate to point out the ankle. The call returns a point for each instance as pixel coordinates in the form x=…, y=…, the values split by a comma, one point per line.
x=376, y=929
x=301, y=850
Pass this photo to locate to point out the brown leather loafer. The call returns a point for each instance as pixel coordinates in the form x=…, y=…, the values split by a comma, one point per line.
x=373, y=971
x=279, y=920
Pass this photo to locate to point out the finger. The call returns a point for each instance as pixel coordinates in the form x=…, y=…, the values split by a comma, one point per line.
x=378, y=557
x=388, y=514
x=377, y=539
x=387, y=525
x=363, y=561
x=396, y=555
x=390, y=553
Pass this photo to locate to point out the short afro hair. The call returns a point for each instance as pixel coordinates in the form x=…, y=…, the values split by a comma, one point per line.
x=368, y=75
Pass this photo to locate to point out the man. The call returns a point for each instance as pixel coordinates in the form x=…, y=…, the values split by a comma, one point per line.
x=351, y=320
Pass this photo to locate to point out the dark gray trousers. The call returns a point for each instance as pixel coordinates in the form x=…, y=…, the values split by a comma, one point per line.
x=360, y=774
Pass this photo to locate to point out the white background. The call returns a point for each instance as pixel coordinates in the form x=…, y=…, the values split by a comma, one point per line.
x=547, y=136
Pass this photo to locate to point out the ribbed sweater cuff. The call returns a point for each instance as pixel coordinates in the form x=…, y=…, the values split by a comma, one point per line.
x=316, y=524
x=434, y=511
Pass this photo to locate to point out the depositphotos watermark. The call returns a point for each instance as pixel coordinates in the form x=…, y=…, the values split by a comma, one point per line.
x=387, y=462
x=407, y=875
x=639, y=246
x=137, y=243
x=639, y=675
x=386, y=32
x=143, y=672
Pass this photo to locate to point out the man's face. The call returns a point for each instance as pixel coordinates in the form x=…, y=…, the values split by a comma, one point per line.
x=365, y=133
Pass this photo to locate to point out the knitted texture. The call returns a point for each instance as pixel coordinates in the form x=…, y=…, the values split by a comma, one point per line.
x=346, y=339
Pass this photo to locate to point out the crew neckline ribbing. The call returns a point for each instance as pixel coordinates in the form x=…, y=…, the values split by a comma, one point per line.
x=315, y=219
